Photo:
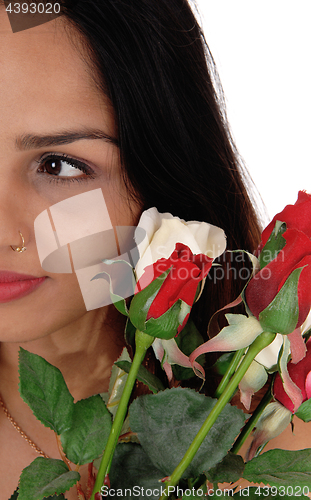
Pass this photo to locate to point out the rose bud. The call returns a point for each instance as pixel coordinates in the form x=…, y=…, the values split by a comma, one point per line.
x=279, y=295
x=162, y=308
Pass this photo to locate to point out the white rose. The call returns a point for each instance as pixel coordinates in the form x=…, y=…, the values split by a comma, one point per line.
x=163, y=231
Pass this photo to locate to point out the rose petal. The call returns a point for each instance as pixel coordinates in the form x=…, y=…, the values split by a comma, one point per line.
x=308, y=385
x=298, y=373
x=186, y=272
x=241, y=332
x=268, y=357
x=158, y=349
x=291, y=389
x=304, y=290
x=168, y=370
x=295, y=216
x=169, y=351
x=214, y=241
x=253, y=380
x=298, y=347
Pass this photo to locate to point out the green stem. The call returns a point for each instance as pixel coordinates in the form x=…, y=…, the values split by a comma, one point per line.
x=142, y=342
x=262, y=341
x=247, y=429
x=230, y=371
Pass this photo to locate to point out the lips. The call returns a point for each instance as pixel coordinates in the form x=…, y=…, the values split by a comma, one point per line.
x=15, y=286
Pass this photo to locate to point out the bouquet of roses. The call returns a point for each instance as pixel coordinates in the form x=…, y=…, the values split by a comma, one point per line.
x=177, y=442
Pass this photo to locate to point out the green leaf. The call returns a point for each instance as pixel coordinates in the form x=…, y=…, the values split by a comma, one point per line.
x=304, y=411
x=15, y=495
x=274, y=244
x=282, y=313
x=144, y=376
x=280, y=468
x=188, y=340
x=46, y=477
x=166, y=326
x=119, y=303
x=167, y=423
x=229, y=470
x=142, y=301
x=44, y=389
x=132, y=468
x=89, y=431
x=54, y=497
x=129, y=334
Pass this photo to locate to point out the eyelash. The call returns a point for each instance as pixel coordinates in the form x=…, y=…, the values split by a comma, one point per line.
x=71, y=161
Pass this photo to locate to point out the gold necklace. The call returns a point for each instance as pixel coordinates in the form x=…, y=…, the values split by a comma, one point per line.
x=20, y=431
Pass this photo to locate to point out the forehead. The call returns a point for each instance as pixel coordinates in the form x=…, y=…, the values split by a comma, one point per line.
x=45, y=75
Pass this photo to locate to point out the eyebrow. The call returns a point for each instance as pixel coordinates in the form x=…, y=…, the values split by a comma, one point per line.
x=29, y=141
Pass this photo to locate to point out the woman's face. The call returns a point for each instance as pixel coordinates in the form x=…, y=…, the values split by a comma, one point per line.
x=57, y=134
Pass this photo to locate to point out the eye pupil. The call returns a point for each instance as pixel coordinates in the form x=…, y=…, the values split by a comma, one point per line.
x=53, y=167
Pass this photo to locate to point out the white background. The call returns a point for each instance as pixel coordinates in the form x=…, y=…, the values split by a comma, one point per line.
x=262, y=50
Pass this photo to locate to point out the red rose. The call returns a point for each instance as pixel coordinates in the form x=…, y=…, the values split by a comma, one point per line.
x=296, y=216
x=296, y=253
x=182, y=281
x=300, y=374
x=180, y=284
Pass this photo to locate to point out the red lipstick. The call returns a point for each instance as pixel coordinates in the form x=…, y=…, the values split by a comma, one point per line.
x=15, y=286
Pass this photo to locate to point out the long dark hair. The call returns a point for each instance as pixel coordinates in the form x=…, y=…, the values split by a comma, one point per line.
x=151, y=59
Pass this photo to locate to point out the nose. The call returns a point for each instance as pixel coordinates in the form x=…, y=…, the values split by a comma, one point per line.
x=14, y=215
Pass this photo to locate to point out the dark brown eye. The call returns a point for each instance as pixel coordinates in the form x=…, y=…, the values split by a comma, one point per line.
x=52, y=167
x=62, y=166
